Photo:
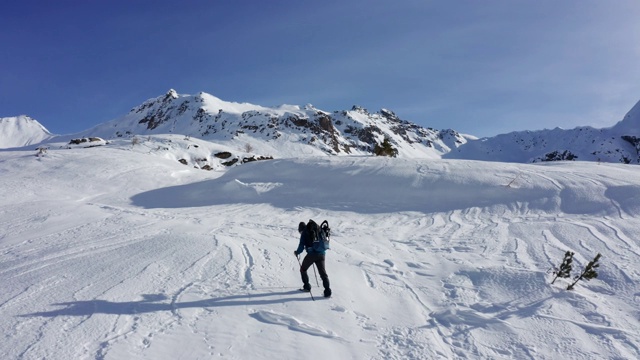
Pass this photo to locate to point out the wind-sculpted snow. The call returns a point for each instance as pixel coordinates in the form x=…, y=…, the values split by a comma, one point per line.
x=121, y=252
x=292, y=323
x=378, y=185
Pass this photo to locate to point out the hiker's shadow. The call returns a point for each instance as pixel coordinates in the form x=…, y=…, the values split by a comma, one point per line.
x=159, y=302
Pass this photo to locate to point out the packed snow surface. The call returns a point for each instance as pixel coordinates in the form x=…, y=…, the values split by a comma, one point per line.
x=118, y=252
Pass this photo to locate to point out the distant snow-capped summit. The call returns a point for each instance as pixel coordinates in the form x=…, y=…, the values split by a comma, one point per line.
x=287, y=130
x=21, y=131
x=630, y=124
x=619, y=143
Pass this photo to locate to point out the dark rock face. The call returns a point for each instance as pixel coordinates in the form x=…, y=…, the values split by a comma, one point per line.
x=558, y=156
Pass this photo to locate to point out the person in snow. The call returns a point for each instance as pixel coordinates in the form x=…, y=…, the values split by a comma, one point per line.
x=313, y=257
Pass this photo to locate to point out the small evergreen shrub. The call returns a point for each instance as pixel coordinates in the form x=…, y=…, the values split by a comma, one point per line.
x=588, y=273
x=565, y=268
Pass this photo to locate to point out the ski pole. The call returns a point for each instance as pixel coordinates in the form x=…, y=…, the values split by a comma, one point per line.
x=314, y=273
x=298, y=257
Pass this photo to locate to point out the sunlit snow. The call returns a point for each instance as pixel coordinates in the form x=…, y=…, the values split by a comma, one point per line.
x=121, y=252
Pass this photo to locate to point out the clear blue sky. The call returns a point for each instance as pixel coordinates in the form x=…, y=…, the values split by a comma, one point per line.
x=479, y=67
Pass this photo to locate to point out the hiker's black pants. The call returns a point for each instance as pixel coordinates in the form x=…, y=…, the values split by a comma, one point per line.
x=310, y=259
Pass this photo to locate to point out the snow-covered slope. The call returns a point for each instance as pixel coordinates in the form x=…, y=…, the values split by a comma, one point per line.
x=630, y=124
x=121, y=252
x=21, y=131
x=619, y=144
x=279, y=131
x=291, y=130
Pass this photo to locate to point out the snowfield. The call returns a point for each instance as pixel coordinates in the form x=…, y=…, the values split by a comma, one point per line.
x=118, y=252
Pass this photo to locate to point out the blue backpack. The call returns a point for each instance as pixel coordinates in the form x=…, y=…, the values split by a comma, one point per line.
x=319, y=236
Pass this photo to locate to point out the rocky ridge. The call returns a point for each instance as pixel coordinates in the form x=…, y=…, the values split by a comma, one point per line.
x=350, y=132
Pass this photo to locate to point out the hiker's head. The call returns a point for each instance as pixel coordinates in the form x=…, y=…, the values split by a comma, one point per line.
x=301, y=226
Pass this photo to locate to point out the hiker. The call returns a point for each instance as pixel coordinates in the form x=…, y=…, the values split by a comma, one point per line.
x=314, y=256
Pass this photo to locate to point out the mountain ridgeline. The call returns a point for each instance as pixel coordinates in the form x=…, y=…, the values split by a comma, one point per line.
x=352, y=132
x=293, y=131
x=618, y=144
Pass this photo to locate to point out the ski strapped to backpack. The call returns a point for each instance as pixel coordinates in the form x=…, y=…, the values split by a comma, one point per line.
x=319, y=236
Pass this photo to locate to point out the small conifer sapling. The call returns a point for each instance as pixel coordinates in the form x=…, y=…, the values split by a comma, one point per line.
x=565, y=268
x=588, y=273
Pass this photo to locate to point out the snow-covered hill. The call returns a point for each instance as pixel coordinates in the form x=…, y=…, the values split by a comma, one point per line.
x=618, y=144
x=21, y=131
x=291, y=130
x=276, y=130
x=121, y=252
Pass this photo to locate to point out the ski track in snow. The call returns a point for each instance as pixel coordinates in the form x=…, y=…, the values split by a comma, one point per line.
x=103, y=279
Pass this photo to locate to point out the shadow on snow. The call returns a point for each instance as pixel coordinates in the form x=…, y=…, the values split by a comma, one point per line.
x=152, y=303
x=344, y=187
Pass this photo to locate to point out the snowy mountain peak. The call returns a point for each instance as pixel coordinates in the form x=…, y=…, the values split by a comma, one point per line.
x=359, y=109
x=618, y=144
x=172, y=94
x=295, y=131
x=630, y=124
x=389, y=114
x=285, y=131
x=634, y=112
x=21, y=131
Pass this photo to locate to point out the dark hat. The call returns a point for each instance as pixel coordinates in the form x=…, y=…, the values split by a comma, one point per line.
x=301, y=226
